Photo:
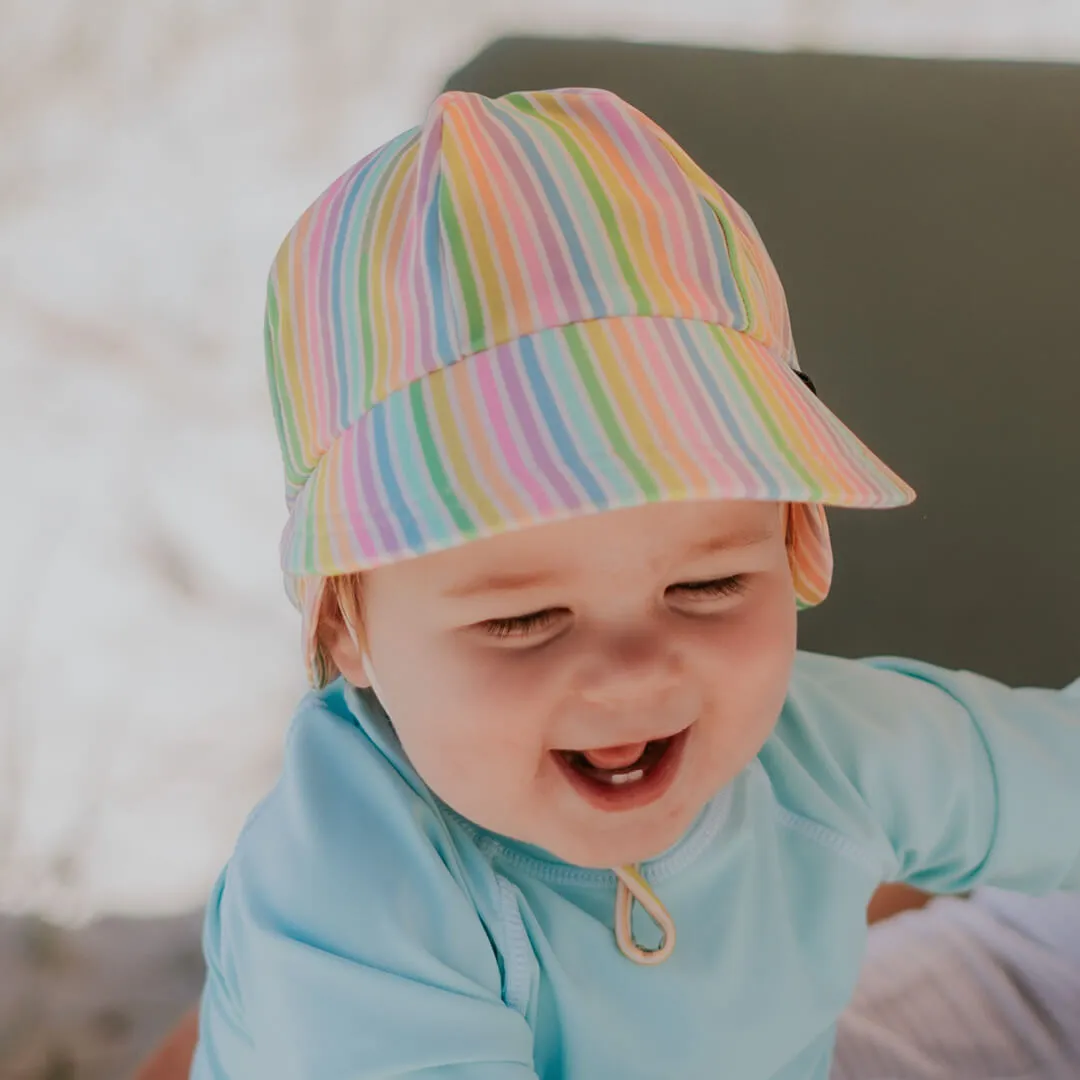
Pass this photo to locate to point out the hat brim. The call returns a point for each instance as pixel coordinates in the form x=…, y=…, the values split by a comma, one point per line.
x=600, y=415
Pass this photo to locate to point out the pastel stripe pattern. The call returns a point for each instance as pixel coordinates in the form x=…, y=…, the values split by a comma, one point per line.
x=525, y=309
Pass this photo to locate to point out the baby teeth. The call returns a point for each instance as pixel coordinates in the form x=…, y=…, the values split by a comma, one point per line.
x=626, y=777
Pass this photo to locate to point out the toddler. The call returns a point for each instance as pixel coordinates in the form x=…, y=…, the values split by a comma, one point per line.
x=565, y=801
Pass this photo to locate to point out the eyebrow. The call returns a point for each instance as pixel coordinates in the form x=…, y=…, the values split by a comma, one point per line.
x=731, y=542
x=510, y=581
x=519, y=580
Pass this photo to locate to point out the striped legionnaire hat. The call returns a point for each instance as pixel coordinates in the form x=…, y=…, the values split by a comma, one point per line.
x=525, y=309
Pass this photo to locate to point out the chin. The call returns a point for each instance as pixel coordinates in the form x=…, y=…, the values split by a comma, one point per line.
x=603, y=853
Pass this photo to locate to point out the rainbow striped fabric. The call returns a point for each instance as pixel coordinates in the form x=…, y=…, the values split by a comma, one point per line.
x=528, y=308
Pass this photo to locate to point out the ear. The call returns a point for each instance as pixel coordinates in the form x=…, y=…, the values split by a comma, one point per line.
x=343, y=647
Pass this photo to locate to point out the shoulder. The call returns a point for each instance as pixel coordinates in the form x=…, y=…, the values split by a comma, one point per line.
x=350, y=893
x=348, y=808
x=835, y=709
x=351, y=851
x=850, y=711
x=854, y=733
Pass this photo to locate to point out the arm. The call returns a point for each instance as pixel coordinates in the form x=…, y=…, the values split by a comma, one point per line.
x=953, y=779
x=345, y=938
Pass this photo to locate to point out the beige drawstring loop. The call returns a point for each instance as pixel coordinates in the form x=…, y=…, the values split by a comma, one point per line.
x=632, y=886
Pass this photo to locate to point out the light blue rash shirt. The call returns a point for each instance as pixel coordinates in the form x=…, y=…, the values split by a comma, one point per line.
x=364, y=930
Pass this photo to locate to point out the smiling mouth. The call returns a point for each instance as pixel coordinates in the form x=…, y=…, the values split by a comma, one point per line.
x=608, y=783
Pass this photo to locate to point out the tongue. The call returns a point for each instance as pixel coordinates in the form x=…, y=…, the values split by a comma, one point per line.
x=615, y=757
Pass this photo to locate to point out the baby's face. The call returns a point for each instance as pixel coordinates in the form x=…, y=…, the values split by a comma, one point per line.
x=588, y=686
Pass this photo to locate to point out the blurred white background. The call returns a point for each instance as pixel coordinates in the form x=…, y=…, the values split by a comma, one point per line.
x=152, y=155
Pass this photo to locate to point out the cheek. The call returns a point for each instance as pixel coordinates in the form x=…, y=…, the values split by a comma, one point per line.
x=749, y=661
x=766, y=639
x=474, y=736
x=472, y=764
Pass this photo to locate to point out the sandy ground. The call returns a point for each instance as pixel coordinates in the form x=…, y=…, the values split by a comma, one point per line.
x=152, y=155
x=90, y=1004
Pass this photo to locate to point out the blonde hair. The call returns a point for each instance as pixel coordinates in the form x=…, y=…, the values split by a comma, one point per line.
x=342, y=599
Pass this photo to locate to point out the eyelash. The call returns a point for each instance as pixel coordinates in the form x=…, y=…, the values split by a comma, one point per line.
x=718, y=587
x=523, y=625
x=519, y=625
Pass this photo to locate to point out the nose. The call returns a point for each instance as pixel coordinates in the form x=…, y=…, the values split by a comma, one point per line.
x=630, y=669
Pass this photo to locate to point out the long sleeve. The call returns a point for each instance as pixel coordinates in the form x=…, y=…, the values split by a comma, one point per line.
x=953, y=779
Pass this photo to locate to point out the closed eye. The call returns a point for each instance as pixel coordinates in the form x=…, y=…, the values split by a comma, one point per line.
x=520, y=625
x=714, y=589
